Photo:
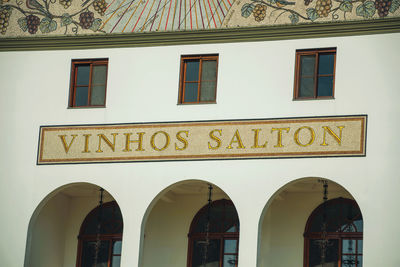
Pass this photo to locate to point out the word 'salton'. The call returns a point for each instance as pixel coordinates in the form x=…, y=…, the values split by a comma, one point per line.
x=161, y=140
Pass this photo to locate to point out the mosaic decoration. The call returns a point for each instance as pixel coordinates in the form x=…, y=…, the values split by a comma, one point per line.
x=251, y=139
x=60, y=17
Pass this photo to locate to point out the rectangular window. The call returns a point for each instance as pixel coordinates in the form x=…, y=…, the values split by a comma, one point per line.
x=88, y=83
x=198, y=81
x=315, y=73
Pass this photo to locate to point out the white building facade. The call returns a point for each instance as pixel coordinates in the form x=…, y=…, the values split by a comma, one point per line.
x=44, y=206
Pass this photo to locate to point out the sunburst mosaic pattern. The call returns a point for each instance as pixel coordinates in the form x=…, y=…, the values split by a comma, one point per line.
x=165, y=15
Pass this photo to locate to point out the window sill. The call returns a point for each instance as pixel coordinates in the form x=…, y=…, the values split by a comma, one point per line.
x=87, y=107
x=314, y=99
x=200, y=103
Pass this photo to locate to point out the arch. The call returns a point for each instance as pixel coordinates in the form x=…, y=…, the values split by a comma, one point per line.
x=167, y=220
x=283, y=218
x=214, y=235
x=339, y=223
x=55, y=224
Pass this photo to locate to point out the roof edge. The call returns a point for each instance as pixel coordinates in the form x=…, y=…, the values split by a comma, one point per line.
x=227, y=35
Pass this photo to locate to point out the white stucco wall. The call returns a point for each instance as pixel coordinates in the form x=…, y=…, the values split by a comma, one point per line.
x=255, y=80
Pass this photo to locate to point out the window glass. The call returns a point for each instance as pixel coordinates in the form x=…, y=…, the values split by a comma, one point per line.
x=89, y=254
x=359, y=246
x=348, y=246
x=326, y=63
x=222, y=249
x=209, y=70
x=83, y=74
x=81, y=96
x=349, y=260
x=331, y=256
x=110, y=237
x=230, y=260
x=116, y=261
x=191, y=92
x=213, y=249
x=111, y=221
x=359, y=261
x=307, y=65
x=192, y=70
x=117, y=247
x=98, y=95
x=207, y=91
x=230, y=245
x=99, y=75
x=306, y=87
x=325, y=86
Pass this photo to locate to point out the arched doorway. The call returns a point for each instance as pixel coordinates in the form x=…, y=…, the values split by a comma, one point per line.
x=214, y=236
x=100, y=237
x=170, y=218
x=56, y=225
x=282, y=224
x=334, y=235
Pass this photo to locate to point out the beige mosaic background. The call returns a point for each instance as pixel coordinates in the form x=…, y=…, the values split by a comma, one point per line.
x=70, y=17
x=205, y=140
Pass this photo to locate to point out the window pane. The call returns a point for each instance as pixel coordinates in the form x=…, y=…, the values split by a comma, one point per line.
x=360, y=246
x=117, y=247
x=325, y=64
x=209, y=70
x=325, y=86
x=199, y=253
x=359, y=224
x=89, y=254
x=359, y=263
x=81, y=96
x=207, y=92
x=306, y=88
x=230, y=246
x=349, y=227
x=348, y=246
x=116, y=261
x=82, y=76
x=191, y=90
x=230, y=260
x=192, y=70
x=307, y=65
x=111, y=221
x=349, y=261
x=99, y=74
x=331, y=256
x=98, y=95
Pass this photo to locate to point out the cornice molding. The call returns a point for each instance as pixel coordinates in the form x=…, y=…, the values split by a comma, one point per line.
x=228, y=35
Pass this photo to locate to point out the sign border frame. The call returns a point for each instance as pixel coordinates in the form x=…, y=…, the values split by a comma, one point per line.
x=214, y=157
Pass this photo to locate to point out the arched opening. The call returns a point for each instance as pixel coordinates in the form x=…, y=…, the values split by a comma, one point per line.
x=173, y=229
x=334, y=235
x=100, y=237
x=58, y=225
x=283, y=237
x=214, y=236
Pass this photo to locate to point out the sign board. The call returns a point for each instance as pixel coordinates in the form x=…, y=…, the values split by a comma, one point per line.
x=204, y=140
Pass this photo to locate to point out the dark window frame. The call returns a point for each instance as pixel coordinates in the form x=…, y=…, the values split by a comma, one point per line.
x=317, y=53
x=182, y=78
x=340, y=236
x=73, y=82
x=92, y=215
x=193, y=235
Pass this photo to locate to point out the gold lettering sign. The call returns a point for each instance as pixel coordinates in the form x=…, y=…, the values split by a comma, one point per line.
x=265, y=138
